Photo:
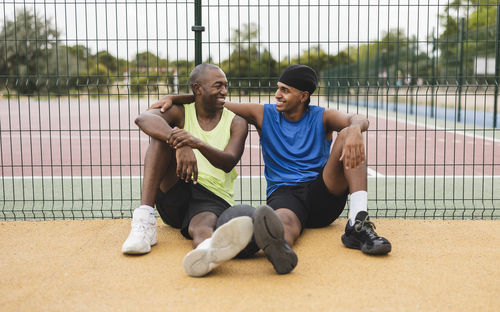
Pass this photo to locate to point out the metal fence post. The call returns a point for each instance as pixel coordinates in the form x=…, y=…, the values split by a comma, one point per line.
x=198, y=29
x=412, y=77
x=497, y=68
x=461, y=67
x=433, y=71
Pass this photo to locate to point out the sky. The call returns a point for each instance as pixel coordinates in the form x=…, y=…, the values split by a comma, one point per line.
x=286, y=28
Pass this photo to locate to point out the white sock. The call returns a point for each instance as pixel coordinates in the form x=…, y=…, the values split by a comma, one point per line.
x=358, y=202
x=146, y=209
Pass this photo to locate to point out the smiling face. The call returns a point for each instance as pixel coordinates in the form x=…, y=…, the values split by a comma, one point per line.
x=212, y=88
x=289, y=99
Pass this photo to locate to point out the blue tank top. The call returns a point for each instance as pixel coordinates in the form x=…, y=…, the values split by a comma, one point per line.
x=294, y=151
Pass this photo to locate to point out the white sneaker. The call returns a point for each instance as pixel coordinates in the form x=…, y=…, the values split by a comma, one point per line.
x=143, y=234
x=226, y=242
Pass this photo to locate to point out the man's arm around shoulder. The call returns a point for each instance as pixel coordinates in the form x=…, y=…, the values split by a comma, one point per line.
x=252, y=112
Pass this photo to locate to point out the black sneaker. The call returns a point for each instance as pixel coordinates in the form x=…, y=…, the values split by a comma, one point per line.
x=269, y=236
x=362, y=236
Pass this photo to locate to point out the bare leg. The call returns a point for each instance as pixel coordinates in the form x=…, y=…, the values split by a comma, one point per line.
x=159, y=170
x=337, y=178
x=291, y=225
x=201, y=227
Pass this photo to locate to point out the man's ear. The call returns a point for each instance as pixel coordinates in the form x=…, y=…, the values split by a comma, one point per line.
x=305, y=96
x=196, y=89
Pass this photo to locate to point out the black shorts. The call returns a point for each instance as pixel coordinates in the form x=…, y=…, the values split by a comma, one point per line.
x=311, y=201
x=185, y=200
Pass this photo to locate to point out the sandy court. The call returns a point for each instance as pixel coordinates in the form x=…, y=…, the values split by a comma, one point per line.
x=78, y=266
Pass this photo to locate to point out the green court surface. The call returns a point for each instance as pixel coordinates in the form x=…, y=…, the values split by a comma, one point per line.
x=38, y=198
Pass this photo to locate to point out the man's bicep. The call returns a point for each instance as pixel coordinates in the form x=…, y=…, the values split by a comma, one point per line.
x=335, y=120
x=251, y=112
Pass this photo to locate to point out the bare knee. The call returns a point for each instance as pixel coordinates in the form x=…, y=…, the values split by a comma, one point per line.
x=291, y=224
x=200, y=233
x=201, y=227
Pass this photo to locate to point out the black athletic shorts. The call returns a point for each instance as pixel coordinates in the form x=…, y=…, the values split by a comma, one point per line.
x=185, y=200
x=311, y=201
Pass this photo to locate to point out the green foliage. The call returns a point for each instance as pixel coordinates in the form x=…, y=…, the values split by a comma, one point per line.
x=383, y=61
x=34, y=61
x=148, y=59
x=26, y=57
x=97, y=79
x=142, y=84
x=250, y=67
x=315, y=58
x=478, y=34
x=183, y=68
x=108, y=60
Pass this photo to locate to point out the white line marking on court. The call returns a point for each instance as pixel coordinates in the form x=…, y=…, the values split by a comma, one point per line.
x=373, y=173
x=432, y=127
x=439, y=177
x=252, y=146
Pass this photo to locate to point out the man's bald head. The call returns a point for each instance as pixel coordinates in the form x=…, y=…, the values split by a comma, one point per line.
x=199, y=71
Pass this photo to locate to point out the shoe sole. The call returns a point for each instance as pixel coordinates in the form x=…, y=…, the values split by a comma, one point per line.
x=379, y=250
x=269, y=236
x=227, y=241
x=140, y=251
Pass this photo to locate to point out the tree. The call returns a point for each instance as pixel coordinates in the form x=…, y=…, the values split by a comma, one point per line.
x=148, y=59
x=316, y=58
x=183, y=68
x=28, y=41
x=478, y=33
x=107, y=59
x=80, y=52
x=250, y=67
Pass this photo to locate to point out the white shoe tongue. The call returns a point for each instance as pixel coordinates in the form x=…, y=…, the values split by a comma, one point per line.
x=140, y=214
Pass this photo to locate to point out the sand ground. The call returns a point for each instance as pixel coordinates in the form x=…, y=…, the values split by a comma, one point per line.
x=78, y=266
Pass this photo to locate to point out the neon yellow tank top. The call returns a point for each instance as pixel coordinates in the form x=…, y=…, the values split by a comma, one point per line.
x=212, y=178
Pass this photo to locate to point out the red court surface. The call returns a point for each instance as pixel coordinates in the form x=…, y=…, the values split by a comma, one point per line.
x=98, y=137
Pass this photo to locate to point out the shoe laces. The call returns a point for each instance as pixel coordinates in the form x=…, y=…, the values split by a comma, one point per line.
x=141, y=226
x=367, y=226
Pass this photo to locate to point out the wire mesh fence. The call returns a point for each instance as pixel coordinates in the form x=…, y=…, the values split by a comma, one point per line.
x=74, y=75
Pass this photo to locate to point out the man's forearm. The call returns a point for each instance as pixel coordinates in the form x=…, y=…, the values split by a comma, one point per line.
x=219, y=159
x=154, y=126
x=179, y=99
